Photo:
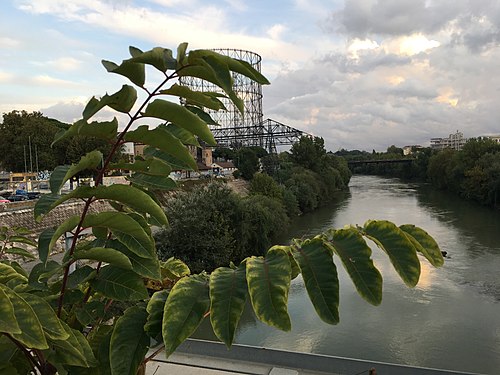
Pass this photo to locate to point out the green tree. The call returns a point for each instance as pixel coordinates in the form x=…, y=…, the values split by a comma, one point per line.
x=247, y=162
x=56, y=321
x=223, y=153
x=395, y=150
x=264, y=184
x=308, y=152
x=210, y=215
x=20, y=129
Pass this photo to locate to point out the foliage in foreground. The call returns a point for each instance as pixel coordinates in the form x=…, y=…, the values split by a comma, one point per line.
x=53, y=320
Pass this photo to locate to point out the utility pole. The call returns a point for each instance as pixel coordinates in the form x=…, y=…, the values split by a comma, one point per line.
x=31, y=156
x=25, y=162
x=36, y=158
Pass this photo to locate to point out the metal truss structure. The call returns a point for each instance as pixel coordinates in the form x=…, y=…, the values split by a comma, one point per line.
x=235, y=130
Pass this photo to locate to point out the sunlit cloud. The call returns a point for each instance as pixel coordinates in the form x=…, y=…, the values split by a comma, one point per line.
x=47, y=80
x=447, y=96
x=416, y=44
x=5, y=77
x=276, y=31
x=357, y=45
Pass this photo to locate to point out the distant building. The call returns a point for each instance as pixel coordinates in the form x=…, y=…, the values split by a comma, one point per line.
x=454, y=141
x=408, y=150
x=495, y=138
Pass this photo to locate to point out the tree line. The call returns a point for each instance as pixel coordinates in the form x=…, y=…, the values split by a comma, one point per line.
x=472, y=172
x=22, y=129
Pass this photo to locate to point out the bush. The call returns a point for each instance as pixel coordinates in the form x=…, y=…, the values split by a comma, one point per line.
x=202, y=228
x=263, y=218
x=264, y=184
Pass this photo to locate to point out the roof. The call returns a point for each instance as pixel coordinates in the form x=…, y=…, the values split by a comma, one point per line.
x=225, y=164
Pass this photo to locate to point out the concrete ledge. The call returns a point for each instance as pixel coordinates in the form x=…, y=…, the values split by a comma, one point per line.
x=242, y=359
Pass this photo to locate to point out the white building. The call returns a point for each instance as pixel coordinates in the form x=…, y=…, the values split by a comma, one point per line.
x=454, y=141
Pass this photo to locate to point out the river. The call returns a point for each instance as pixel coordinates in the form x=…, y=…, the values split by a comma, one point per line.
x=450, y=320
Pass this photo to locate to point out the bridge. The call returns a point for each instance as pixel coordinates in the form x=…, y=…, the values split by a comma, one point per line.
x=380, y=161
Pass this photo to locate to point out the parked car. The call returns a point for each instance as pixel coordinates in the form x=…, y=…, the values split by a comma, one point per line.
x=3, y=200
x=33, y=195
x=17, y=197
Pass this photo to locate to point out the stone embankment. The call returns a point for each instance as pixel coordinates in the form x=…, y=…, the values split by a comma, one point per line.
x=23, y=216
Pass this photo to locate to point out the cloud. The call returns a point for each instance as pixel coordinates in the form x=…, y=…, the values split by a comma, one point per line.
x=6, y=42
x=6, y=77
x=360, y=18
x=46, y=80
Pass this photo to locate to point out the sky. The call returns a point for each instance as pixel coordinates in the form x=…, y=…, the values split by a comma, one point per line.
x=362, y=74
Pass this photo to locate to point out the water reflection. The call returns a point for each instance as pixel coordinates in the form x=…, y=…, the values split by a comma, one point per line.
x=450, y=320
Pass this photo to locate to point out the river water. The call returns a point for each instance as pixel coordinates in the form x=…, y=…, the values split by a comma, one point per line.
x=450, y=320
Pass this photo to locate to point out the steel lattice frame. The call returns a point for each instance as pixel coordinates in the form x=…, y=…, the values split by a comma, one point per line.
x=235, y=130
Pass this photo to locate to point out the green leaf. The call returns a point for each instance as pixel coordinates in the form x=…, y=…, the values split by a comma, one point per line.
x=44, y=204
x=180, y=116
x=228, y=295
x=8, y=322
x=31, y=330
x=119, y=284
x=67, y=226
x=186, y=305
x=63, y=173
x=17, y=267
x=237, y=102
x=202, y=114
x=184, y=135
x=181, y=53
x=99, y=342
x=151, y=166
x=75, y=350
x=134, y=71
x=221, y=71
x=43, y=244
x=153, y=182
x=355, y=255
x=320, y=278
x=164, y=141
x=424, y=244
x=107, y=255
x=121, y=101
x=50, y=322
x=161, y=58
x=268, y=285
x=106, y=130
x=146, y=267
x=235, y=65
x=401, y=251
x=22, y=239
x=125, y=194
x=155, y=308
x=8, y=273
x=90, y=312
x=174, y=269
x=195, y=97
x=19, y=251
x=79, y=276
x=41, y=273
x=129, y=343
x=134, y=51
x=126, y=229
